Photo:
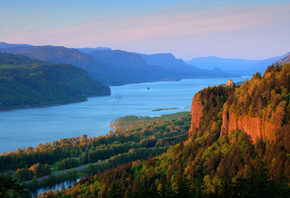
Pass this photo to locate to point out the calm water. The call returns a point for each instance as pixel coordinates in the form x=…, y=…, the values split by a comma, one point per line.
x=29, y=127
x=59, y=186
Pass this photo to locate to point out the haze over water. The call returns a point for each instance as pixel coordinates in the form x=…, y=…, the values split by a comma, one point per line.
x=29, y=127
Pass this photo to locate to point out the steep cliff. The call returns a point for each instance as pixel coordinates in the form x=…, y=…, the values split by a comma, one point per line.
x=196, y=108
x=258, y=107
x=206, y=110
x=253, y=126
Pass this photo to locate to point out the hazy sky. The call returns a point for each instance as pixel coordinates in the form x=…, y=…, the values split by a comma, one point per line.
x=252, y=29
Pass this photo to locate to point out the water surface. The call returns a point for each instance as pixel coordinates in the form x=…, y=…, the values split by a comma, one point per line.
x=29, y=127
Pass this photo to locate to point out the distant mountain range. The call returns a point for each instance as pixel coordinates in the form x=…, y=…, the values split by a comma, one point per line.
x=168, y=61
x=26, y=82
x=115, y=67
x=88, y=50
x=46, y=75
x=6, y=45
x=52, y=54
x=284, y=60
x=234, y=66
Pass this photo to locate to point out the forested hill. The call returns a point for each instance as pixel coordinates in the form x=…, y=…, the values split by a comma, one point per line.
x=207, y=164
x=26, y=82
x=258, y=107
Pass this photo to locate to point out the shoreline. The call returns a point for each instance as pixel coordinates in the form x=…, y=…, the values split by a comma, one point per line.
x=91, y=96
x=112, y=126
x=52, y=105
x=96, y=130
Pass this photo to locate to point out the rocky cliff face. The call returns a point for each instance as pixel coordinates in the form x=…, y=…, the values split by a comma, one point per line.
x=195, y=115
x=255, y=127
x=230, y=83
x=258, y=107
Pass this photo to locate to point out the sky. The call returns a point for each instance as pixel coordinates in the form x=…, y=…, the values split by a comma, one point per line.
x=246, y=29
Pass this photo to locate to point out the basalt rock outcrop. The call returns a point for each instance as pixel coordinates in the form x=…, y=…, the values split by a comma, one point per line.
x=258, y=107
x=195, y=115
x=230, y=83
x=254, y=126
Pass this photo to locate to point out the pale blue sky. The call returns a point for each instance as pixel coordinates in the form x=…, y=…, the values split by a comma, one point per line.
x=254, y=29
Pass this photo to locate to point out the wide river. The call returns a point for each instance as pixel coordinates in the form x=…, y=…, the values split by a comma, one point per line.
x=29, y=127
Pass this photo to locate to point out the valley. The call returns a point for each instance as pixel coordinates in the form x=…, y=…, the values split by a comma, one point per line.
x=29, y=127
x=145, y=99
x=141, y=132
x=189, y=155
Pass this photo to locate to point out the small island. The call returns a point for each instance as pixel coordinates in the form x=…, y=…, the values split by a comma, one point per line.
x=165, y=109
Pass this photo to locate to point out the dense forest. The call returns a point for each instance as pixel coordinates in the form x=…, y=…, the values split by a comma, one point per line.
x=265, y=97
x=101, y=153
x=207, y=164
x=203, y=163
x=26, y=82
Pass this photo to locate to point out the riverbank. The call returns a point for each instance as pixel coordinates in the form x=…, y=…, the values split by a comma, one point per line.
x=29, y=127
x=152, y=142
x=51, y=105
x=133, y=120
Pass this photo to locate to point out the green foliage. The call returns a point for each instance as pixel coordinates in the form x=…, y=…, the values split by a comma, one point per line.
x=67, y=163
x=265, y=97
x=29, y=82
x=131, y=121
x=239, y=171
x=207, y=165
x=23, y=174
x=115, y=149
x=40, y=170
x=50, y=180
x=17, y=60
x=9, y=188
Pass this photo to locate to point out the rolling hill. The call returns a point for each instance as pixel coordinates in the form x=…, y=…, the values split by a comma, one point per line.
x=25, y=82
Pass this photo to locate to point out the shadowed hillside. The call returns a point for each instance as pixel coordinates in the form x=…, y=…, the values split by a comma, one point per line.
x=25, y=82
x=115, y=67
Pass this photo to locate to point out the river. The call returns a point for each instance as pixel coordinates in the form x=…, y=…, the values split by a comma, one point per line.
x=59, y=186
x=29, y=127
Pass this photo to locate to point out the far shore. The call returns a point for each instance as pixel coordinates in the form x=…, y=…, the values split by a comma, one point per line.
x=49, y=105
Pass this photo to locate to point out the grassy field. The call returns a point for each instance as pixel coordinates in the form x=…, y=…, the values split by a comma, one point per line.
x=162, y=109
x=132, y=120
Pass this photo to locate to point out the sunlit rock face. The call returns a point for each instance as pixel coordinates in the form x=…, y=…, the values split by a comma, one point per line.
x=255, y=127
x=230, y=83
x=195, y=115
